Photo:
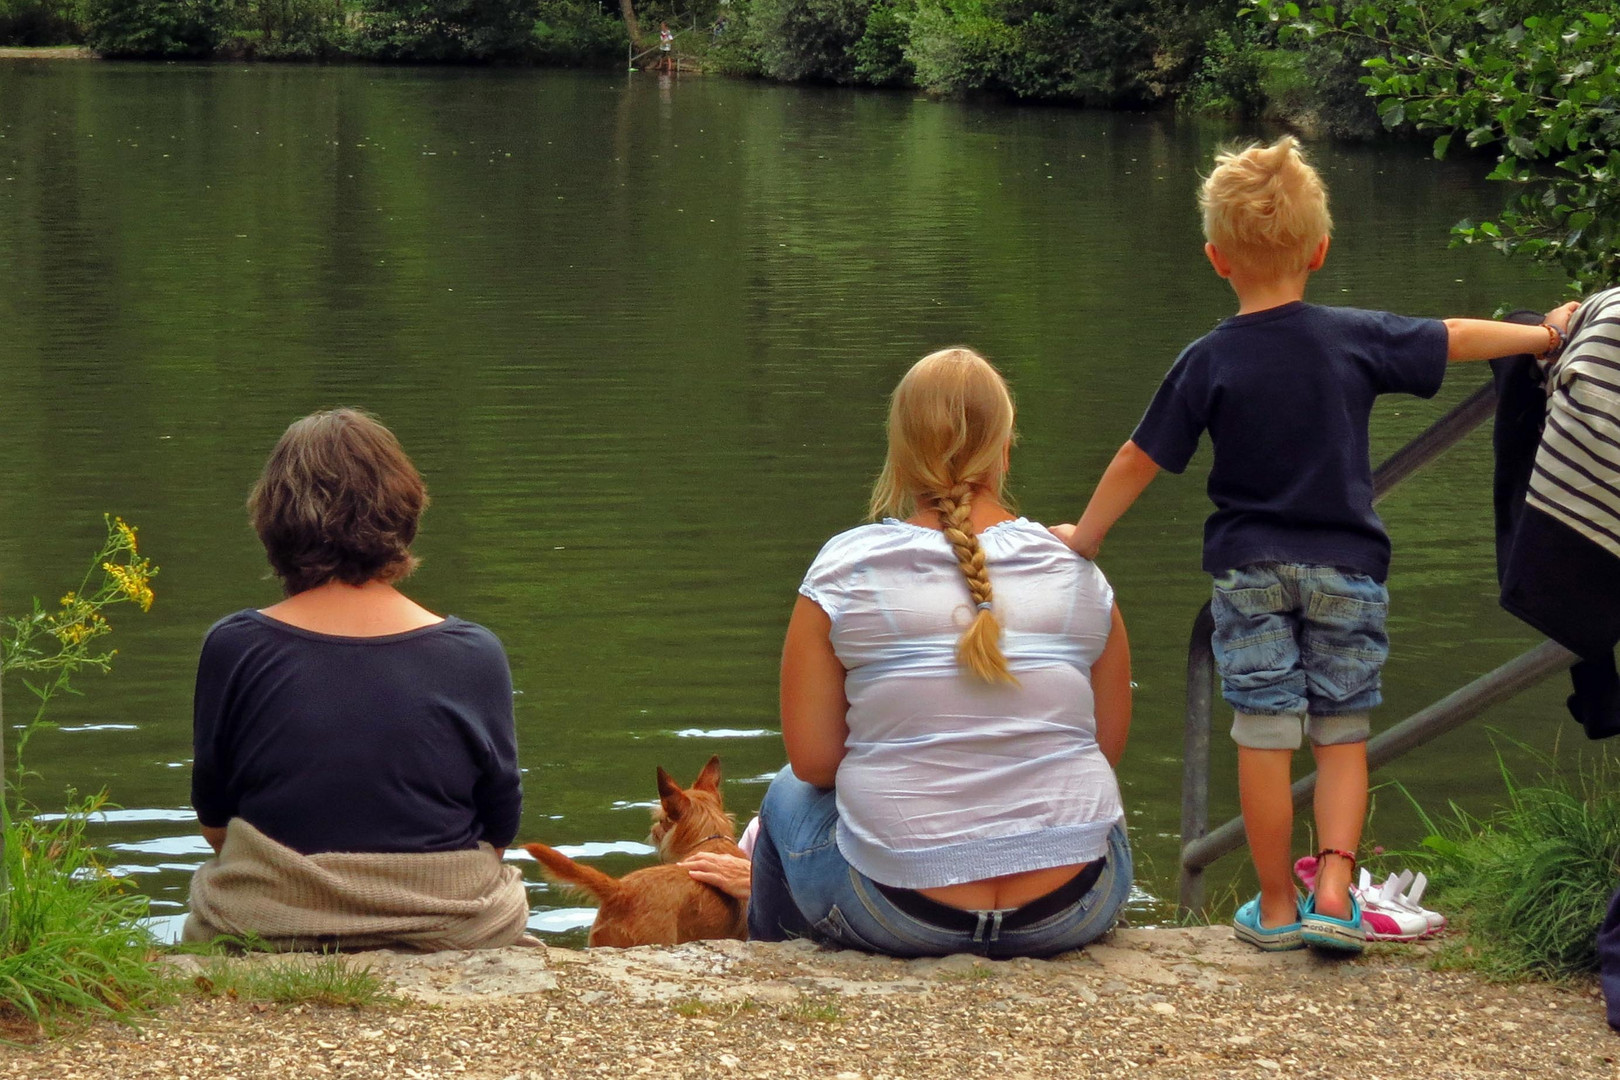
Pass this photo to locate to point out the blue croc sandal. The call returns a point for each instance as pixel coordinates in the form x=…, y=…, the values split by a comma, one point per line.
x=1326, y=932
x=1246, y=926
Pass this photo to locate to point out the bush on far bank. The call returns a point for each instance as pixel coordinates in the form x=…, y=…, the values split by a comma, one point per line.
x=155, y=28
x=39, y=22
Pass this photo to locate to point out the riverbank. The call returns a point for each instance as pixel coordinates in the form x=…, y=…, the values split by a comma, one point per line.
x=1178, y=1002
x=52, y=52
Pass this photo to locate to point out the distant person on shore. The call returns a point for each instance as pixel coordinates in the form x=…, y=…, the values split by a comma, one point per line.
x=666, y=40
x=356, y=760
x=955, y=696
x=1285, y=390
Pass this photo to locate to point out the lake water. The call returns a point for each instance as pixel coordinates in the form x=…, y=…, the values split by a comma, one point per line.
x=637, y=334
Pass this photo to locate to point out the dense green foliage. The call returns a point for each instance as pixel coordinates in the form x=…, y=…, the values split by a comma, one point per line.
x=1530, y=884
x=156, y=28
x=39, y=22
x=447, y=30
x=573, y=33
x=1540, y=89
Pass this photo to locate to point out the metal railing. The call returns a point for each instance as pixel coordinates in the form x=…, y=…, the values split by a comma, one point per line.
x=1201, y=847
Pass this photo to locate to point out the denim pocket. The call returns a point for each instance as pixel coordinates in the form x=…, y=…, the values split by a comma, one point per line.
x=836, y=930
x=1266, y=600
x=1347, y=626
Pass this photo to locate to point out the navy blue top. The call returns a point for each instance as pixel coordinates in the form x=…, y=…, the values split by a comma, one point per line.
x=1286, y=395
x=401, y=743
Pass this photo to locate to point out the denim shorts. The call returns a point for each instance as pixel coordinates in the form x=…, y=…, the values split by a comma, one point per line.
x=1299, y=649
x=803, y=887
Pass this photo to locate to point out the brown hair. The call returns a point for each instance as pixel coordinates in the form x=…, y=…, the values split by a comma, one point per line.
x=949, y=421
x=338, y=501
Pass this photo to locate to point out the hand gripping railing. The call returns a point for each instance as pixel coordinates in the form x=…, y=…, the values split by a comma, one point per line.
x=1199, y=846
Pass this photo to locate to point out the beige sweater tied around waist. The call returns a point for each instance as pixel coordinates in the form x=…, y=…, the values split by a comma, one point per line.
x=357, y=900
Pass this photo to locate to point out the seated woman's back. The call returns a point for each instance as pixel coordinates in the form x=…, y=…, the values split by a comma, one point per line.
x=390, y=743
x=943, y=771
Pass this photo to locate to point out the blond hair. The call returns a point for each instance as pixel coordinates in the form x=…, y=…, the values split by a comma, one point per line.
x=1265, y=207
x=950, y=420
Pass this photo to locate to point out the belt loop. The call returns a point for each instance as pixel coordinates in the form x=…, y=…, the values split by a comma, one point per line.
x=978, y=931
x=995, y=926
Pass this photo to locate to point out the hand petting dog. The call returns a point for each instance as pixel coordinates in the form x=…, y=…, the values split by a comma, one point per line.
x=668, y=904
x=731, y=874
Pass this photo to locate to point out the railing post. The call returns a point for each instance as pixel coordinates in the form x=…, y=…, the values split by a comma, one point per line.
x=1195, y=754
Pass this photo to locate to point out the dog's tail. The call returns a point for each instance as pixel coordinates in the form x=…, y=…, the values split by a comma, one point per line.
x=565, y=871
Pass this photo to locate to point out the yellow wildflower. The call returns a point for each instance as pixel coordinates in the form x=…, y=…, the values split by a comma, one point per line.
x=67, y=601
x=134, y=581
x=126, y=533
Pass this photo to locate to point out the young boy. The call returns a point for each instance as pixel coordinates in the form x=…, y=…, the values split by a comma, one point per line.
x=1286, y=389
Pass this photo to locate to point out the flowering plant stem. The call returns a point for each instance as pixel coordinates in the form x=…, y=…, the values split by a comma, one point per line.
x=48, y=646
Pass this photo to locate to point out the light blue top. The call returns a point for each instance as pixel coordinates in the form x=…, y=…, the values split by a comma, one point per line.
x=948, y=779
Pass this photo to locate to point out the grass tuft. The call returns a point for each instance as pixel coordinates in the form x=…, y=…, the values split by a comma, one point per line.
x=692, y=1008
x=72, y=941
x=331, y=981
x=971, y=973
x=1529, y=884
x=810, y=1011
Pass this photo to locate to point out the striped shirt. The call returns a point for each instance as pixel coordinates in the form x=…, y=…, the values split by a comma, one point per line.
x=1577, y=468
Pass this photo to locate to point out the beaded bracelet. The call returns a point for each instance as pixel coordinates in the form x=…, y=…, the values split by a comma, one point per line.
x=1556, y=340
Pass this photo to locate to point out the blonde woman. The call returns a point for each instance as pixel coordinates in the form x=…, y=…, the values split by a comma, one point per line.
x=955, y=695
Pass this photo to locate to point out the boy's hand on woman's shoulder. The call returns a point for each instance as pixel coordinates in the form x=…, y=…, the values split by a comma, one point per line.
x=1086, y=546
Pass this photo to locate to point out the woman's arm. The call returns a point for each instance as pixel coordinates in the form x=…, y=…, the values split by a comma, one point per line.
x=1111, y=687
x=813, y=703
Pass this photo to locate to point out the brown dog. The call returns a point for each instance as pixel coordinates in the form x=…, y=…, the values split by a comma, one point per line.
x=662, y=905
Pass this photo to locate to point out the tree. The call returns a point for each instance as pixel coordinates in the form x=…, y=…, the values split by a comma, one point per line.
x=1542, y=91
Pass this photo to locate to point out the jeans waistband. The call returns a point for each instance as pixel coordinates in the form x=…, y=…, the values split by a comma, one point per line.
x=963, y=920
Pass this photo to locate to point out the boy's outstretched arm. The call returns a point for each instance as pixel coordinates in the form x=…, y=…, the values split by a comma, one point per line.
x=1486, y=339
x=1126, y=477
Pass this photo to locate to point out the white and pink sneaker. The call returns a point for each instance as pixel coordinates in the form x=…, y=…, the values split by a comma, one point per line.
x=1388, y=912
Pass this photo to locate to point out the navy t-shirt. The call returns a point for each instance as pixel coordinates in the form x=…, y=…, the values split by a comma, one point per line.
x=1286, y=395
x=402, y=743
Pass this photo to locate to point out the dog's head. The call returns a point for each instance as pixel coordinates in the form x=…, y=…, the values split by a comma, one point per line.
x=683, y=819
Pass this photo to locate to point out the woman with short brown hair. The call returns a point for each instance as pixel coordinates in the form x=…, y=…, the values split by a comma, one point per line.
x=355, y=754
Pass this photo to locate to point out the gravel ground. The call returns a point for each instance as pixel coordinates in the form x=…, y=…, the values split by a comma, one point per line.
x=1161, y=1003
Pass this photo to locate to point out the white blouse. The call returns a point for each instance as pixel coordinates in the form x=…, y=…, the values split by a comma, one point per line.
x=946, y=778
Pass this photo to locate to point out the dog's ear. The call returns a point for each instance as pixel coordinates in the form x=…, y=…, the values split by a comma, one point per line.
x=670, y=794
x=709, y=779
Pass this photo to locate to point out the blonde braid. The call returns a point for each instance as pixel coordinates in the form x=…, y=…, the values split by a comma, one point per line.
x=979, y=650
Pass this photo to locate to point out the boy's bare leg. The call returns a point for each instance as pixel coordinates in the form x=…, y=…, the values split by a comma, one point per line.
x=1264, y=779
x=1341, y=809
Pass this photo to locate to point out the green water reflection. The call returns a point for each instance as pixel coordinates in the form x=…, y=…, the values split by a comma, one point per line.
x=637, y=335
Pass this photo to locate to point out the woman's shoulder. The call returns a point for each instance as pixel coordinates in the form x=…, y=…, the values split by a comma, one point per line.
x=1022, y=542
x=235, y=627
x=857, y=542
x=250, y=625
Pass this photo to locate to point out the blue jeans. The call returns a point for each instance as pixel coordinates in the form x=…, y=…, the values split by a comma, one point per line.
x=1294, y=642
x=803, y=887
